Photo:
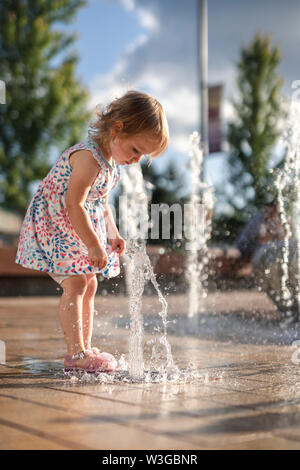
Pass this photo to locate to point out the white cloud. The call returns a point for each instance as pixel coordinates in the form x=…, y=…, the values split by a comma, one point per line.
x=128, y=4
x=163, y=60
x=148, y=65
x=140, y=41
x=146, y=18
x=182, y=106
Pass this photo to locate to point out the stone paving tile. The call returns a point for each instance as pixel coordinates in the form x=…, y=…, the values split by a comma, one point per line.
x=267, y=443
x=14, y=438
x=258, y=422
x=67, y=428
x=208, y=430
x=89, y=409
x=237, y=427
x=39, y=421
x=269, y=378
x=125, y=394
x=102, y=409
x=188, y=391
x=246, y=396
x=199, y=408
x=289, y=435
x=180, y=420
x=138, y=417
x=253, y=401
x=283, y=391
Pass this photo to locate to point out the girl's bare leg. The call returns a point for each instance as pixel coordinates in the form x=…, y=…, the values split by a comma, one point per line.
x=70, y=312
x=88, y=309
x=107, y=361
x=70, y=315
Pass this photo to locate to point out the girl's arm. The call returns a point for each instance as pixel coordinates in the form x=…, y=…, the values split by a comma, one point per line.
x=116, y=241
x=85, y=170
x=111, y=228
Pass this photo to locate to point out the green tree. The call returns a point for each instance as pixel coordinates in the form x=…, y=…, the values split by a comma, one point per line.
x=45, y=103
x=252, y=136
x=167, y=184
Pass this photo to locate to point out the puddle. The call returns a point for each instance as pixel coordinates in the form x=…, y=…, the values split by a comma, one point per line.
x=55, y=370
x=183, y=376
x=233, y=328
x=38, y=366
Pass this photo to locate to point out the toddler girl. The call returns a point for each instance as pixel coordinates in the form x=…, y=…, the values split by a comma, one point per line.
x=69, y=231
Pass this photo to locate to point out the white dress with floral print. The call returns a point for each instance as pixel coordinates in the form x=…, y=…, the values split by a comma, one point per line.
x=48, y=241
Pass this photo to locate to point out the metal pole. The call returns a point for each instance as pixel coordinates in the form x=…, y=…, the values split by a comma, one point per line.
x=203, y=75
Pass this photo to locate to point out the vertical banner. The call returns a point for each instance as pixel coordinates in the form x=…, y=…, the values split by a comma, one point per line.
x=214, y=118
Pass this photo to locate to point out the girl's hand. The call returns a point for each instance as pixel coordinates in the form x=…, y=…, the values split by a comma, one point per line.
x=97, y=256
x=118, y=244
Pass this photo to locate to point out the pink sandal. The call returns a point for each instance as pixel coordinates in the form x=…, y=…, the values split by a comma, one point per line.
x=109, y=363
x=93, y=364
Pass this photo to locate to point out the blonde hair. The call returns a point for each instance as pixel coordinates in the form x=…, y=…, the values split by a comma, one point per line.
x=139, y=113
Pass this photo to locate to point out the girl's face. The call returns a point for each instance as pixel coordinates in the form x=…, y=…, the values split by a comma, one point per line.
x=126, y=150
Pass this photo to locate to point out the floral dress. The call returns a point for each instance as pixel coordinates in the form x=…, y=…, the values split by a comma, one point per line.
x=48, y=241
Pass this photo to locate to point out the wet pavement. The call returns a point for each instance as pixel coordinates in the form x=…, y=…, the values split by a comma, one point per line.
x=238, y=387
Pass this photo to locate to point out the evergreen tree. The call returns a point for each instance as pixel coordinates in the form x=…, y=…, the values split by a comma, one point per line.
x=167, y=185
x=259, y=111
x=45, y=103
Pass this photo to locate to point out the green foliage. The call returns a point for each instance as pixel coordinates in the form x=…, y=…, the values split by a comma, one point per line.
x=45, y=103
x=259, y=111
x=167, y=184
x=226, y=229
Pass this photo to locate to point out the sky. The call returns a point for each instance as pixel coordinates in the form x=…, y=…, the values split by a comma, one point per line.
x=151, y=45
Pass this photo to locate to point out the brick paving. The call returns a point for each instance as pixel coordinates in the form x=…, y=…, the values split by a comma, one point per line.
x=247, y=395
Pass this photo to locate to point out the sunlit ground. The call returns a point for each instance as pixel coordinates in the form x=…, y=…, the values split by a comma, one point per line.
x=238, y=384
